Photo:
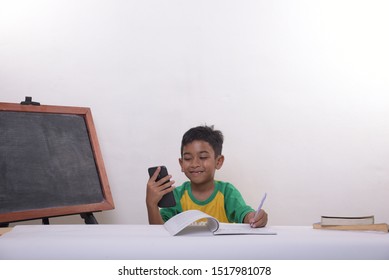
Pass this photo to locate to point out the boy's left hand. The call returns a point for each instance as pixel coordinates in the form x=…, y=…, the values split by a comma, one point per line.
x=255, y=222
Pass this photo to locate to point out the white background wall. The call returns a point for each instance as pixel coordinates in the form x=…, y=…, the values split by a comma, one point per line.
x=299, y=88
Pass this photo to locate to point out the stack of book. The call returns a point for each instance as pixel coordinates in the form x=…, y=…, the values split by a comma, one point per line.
x=350, y=223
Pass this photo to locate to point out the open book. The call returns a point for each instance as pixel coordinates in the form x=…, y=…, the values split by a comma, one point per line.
x=187, y=218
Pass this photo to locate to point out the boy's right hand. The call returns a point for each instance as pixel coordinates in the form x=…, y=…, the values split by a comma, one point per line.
x=156, y=189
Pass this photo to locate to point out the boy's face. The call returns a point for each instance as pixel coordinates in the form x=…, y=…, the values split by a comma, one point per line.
x=198, y=162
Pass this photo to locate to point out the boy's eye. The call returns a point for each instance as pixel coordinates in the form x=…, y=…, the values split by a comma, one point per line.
x=203, y=156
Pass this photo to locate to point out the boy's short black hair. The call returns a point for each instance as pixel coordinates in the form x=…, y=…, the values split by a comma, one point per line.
x=205, y=133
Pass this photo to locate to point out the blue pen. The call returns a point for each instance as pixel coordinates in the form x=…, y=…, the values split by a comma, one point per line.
x=260, y=206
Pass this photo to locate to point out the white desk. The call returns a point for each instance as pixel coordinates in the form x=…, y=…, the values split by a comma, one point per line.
x=145, y=242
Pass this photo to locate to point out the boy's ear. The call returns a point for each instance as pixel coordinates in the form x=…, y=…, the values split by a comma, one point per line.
x=219, y=162
x=180, y=161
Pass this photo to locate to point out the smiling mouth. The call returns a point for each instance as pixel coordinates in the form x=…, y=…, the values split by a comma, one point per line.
x=196, y=172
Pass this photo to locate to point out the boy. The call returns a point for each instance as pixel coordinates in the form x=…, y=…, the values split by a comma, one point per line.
x=201, y=156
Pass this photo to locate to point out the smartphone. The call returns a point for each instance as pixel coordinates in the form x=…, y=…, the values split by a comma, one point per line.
x=168, y=199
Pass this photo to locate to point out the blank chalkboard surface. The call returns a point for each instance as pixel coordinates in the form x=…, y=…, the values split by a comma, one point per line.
x=50, y=163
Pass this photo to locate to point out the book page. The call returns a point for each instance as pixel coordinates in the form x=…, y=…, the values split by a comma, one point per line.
x=225, y=228
x=180, y=221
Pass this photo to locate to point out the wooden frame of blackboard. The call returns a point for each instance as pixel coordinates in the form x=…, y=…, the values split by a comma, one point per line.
x=38, y=213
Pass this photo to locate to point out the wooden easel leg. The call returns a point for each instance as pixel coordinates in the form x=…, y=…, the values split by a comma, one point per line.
x=89, y=218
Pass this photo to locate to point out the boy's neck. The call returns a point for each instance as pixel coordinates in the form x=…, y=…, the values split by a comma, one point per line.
x=202, y=191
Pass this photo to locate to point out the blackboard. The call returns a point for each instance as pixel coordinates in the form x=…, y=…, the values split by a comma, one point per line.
x=50, y=163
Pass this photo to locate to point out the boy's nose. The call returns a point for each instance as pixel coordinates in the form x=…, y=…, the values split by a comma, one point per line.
x=195, y=162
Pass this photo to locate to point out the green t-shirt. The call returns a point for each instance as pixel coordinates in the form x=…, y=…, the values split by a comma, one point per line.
x=225, y=203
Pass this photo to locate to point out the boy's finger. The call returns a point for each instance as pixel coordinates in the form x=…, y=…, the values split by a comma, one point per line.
x=155, y=175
